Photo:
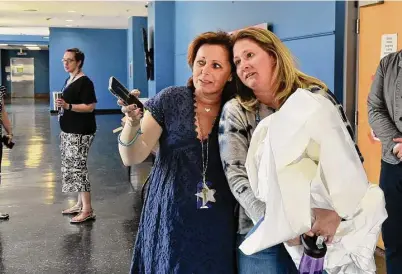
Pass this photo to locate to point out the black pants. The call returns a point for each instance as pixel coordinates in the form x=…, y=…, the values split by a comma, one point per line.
x=391, y=184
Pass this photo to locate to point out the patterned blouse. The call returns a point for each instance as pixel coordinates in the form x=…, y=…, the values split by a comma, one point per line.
x=3, y=93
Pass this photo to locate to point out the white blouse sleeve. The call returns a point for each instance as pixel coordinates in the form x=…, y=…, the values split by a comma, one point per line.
x=342, y=172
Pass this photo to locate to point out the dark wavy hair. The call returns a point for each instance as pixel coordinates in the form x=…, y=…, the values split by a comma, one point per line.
x=219, y=38
x=78, y=55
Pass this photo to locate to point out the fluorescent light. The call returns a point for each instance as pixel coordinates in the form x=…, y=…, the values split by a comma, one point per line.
x=30, y=45
x=69, y=20
x=71, y=11
x=33, y=48
x=3, y=45
x=69, y=25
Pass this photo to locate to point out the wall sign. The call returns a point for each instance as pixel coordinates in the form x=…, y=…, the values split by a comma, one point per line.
x=389, y=43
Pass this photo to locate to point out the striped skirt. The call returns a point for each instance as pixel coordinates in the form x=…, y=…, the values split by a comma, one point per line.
x=74, y=154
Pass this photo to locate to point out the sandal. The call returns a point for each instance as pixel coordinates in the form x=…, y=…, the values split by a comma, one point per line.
x=72, y=210
x=80, y=218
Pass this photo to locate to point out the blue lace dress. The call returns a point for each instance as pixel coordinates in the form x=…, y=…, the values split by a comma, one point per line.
x=174, y=236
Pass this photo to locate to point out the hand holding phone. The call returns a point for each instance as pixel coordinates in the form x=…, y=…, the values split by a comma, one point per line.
x=132, y=107
x=7, y=141
x=123, y=94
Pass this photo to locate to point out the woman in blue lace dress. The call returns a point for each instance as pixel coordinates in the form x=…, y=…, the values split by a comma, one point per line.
x=188, y=223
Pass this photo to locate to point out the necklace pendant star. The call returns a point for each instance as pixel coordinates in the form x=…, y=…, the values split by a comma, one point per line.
x=207, y=195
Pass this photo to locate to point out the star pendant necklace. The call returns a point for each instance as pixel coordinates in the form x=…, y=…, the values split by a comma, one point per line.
x=205, y=195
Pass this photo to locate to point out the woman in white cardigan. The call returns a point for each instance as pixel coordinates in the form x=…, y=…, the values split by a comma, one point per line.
x=303, y=163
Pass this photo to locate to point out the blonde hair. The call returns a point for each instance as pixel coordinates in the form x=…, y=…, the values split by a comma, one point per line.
x=287, y=76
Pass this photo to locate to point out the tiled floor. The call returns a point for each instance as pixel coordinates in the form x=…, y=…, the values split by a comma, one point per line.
x=37, y=238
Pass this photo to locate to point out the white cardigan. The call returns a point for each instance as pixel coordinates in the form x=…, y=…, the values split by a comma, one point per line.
x=303, y=157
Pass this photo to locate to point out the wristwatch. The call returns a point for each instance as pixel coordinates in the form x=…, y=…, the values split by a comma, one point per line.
x=70, y=106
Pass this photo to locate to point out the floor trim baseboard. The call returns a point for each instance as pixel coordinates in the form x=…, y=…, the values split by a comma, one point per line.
x=97, y=111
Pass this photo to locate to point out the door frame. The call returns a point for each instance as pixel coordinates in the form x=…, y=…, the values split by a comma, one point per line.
x=350, y=63
x=359, y=5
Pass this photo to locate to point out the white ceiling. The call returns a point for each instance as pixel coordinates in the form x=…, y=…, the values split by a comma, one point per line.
x=35, y=17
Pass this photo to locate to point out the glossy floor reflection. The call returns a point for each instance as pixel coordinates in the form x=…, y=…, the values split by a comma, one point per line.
x=37, y=238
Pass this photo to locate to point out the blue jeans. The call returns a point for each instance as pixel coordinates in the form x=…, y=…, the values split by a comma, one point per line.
x=274, y=260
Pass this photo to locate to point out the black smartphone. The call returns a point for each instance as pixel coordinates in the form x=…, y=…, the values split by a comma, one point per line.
x=122, y=93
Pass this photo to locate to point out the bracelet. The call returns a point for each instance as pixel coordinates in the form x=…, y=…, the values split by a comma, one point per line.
x=139, y=132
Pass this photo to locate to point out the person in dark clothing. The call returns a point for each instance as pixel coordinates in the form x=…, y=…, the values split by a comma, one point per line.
x=384, y=105
x=78, y=127
x=5, y=122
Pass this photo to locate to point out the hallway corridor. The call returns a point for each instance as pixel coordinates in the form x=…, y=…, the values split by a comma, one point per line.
x=37, y=238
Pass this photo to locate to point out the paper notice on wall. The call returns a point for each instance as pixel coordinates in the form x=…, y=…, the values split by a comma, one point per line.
x=389, y=43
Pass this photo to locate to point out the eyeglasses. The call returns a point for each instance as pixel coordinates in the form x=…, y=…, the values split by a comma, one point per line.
x=67, y=61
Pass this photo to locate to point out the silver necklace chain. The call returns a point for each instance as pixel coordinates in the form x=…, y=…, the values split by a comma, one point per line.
x=204, y=163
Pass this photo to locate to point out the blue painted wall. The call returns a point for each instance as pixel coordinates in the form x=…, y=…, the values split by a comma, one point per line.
x=161, y=28
x=307, y=28
x=41, y=63
x=105, y=55
x=136, y=55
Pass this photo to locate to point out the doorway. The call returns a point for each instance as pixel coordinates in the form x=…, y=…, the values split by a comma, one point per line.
x=22, y=77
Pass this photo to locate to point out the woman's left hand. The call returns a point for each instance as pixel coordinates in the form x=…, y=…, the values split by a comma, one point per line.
x=10, y=138
x=326, y=223
x=61, y=103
